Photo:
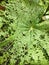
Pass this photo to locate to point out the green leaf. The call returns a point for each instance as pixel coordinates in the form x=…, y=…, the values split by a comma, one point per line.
x=22, y=27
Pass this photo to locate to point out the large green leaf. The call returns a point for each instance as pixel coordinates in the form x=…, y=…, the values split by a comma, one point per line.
x=24, y=36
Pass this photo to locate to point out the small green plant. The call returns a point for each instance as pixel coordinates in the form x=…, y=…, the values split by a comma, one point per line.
x=24, y=32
